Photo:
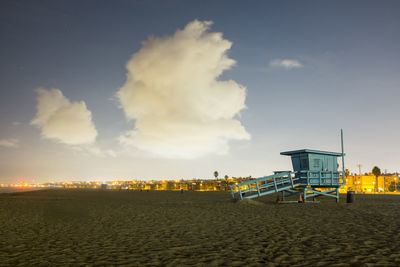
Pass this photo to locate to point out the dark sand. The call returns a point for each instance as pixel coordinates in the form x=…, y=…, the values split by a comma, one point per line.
x=69, y=227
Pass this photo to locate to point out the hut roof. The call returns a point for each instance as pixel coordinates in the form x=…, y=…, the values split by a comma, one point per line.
x=311, y=151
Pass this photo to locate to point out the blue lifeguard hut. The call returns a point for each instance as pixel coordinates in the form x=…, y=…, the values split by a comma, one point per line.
x=315, y=173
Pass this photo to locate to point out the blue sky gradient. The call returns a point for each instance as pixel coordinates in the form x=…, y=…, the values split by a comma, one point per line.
x=349, y=51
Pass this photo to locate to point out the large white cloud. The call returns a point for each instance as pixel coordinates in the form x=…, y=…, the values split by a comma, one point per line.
x=64, y=121
x=180, y=107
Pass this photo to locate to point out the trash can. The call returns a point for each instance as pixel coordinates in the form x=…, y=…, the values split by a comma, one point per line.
x=350, y=196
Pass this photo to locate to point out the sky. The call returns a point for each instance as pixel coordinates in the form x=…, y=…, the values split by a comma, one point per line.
x=103, y=90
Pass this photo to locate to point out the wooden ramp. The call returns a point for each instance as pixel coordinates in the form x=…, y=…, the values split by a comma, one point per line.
x=264, y=186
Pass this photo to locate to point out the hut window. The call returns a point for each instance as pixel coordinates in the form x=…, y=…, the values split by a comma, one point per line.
x=317, y=163
x=304, y=164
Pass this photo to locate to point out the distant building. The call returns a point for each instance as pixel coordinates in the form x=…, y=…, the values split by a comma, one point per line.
x=366, y=183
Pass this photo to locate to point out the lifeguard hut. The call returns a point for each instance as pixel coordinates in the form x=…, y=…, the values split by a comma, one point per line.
x=315, y=173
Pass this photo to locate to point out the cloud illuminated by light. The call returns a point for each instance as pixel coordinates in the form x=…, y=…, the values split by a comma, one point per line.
x=63, y=121
x=172, y=92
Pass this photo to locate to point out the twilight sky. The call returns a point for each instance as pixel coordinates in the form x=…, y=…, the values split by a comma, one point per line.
x=99, y=90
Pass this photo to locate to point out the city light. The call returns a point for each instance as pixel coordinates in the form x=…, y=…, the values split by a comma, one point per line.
x=357, y=183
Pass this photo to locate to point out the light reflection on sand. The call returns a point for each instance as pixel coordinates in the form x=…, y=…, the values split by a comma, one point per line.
x=17, y=189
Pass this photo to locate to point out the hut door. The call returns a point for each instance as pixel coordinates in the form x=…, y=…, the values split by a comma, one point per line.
x=317, y=164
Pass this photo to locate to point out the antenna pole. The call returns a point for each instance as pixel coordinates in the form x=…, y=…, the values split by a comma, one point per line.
x=341, y=138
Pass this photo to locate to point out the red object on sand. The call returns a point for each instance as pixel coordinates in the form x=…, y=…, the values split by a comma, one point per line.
x=300, y=198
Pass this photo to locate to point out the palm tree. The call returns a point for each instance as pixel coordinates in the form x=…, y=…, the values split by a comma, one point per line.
x=216, y=174
x=376, y=171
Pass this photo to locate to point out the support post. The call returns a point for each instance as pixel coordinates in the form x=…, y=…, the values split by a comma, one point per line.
x=343, y=170
x=337, y=194
x=233, y=194
x=341, y=138
x=258, y=189
x=291, y=179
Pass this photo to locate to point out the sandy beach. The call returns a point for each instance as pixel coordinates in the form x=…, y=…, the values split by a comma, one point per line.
x=158, y=228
